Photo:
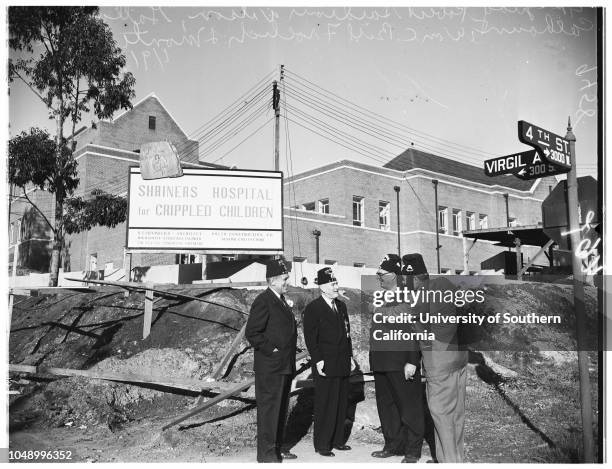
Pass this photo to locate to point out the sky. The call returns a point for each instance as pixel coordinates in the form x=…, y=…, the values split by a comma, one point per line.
x=457, y=79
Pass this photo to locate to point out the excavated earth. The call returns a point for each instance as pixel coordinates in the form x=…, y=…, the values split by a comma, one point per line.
x=530, y=414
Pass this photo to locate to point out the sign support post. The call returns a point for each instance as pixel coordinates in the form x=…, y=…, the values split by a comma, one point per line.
x=583, y=358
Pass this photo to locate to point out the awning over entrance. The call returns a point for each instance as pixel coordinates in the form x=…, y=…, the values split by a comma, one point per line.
x=532, y=235
x=511, y=237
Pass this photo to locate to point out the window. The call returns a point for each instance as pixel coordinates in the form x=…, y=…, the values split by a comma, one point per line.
x=357, y=210
x=324, y=206
x=512, y=221
x=310, y=206
x=151, y=122
x=457, y=225
x=483, y=221
x=358, y=264
x=470, y=221
x=190, y=259
x=330, y=262
x=384, y=215
x=442, y=219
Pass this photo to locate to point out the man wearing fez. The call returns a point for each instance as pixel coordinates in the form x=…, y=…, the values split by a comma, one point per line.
x=397, y=380
x=444, y=365
x=327, y=336
x=272, y=331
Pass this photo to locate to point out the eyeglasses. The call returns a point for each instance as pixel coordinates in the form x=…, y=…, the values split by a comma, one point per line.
x=381, y=276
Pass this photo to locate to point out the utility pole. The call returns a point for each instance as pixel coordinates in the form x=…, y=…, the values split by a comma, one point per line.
x=397, y=191
x=276, y=107
x=583, y=358
x=435, y=184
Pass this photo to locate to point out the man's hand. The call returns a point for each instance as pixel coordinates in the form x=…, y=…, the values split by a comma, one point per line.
x=320, y=365
x=409, y=371
x=353, y=364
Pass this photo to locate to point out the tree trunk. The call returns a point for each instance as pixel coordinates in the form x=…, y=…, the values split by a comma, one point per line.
x=59, y=205
x=57, y=243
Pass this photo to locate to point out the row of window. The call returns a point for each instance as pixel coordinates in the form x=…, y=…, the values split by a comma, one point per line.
x=384, y=211
x=470, y=221
x=384, y=216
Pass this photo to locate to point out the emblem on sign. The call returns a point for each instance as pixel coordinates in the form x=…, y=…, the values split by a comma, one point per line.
x=159, y=160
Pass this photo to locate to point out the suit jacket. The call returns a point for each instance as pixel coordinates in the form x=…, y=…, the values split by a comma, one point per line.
x=392, y=356
x=325, y=333
x=444, y=354
x=271, y=325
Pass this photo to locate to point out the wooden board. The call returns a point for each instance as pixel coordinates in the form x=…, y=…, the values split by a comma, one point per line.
x=177, y=383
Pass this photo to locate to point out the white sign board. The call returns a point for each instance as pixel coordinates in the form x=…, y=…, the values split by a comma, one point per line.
x=206, y=210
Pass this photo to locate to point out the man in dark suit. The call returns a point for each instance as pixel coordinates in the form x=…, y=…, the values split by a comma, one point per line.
x=397, y=379
x=271, y=330
x=327, y=336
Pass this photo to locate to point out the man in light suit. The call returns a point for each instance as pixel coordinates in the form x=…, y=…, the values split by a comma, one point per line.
x=327, y=336
x=444, y=364
x=272, y=331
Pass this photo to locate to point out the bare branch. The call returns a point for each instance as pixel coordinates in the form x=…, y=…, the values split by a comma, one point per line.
x=38, y=210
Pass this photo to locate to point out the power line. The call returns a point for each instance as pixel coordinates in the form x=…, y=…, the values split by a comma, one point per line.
x=244, y=140
x=361, y=125
x=386, y=120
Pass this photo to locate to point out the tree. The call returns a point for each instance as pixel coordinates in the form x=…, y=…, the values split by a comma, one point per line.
x=69, y=59
x=33, y=162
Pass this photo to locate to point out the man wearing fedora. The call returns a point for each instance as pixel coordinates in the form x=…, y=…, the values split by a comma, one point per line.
x=272, y=331
x=397, y=379
x=444, y=365
x=327, y=336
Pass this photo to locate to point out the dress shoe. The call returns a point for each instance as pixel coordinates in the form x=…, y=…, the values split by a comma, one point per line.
x=342, y=447
x=383, y=453
x=325, y=452
x=409, y=458
x=288, y=455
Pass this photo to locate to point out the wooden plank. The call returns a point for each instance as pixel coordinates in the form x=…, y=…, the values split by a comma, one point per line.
x=148, y=314
x=34, y=291
x=229, y=393
x=143, y=287
x=228, y=355
x=542, y=250
x=177, y=383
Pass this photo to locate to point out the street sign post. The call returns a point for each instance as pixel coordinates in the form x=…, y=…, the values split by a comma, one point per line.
x=555, y=149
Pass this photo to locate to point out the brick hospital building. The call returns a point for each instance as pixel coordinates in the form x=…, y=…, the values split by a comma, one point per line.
x=352, y=207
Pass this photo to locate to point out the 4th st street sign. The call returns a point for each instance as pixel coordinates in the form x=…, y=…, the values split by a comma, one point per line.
x=554, y=148
x=524, y=165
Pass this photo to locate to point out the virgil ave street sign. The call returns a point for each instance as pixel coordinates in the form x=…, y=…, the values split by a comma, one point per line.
x=539, y=169
x=510, y=164
x=554, y=148
x=525, y=165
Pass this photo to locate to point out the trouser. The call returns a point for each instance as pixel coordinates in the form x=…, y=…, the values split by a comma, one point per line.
x=446, y=399
x=400, y=408
x=330, y=406
x=272, y=397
